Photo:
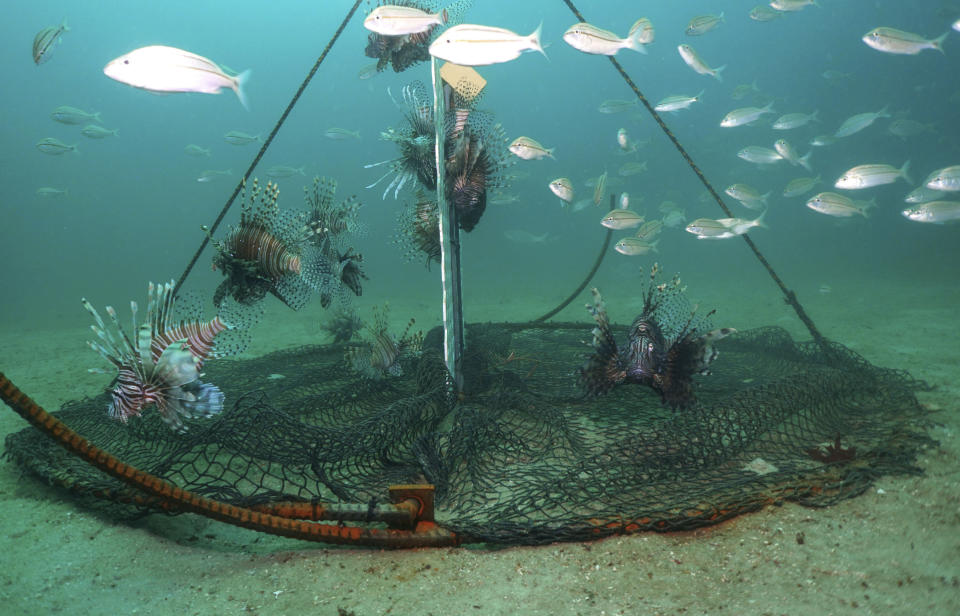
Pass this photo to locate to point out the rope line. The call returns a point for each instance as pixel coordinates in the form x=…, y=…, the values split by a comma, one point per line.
x=790, y=296
x=263, y=148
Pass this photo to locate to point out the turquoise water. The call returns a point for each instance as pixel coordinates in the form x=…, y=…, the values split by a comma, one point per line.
x=134, y=208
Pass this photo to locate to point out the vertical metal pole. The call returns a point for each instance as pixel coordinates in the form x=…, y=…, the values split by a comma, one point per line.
x=449, y=243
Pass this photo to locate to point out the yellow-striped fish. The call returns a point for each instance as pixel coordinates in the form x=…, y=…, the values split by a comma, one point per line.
x=591, y=39
x=530, y=149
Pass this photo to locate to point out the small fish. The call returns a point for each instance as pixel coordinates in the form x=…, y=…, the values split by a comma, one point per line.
x=823, y=141
x=393, y=20
x=621, y=219
x=800, y=186
x=93, y=131
x=48, y=192
x=833, y=204
x=367, y=71
x=624, y=201
x=759, y=155
x=923, y=194
x=703, y=23
x=867, y=176
x=563, y=188
x=748, y=196
x=790, y=154
x=593, y=40
x=600, y=189
x=642, y=30
x=195, y=150
x=649, y=229
x=744, y=89
x=475, y=45
x=167, y=69
x=674, y=218
x=936, y=212
x=55, y=147
x=71, y=115
x=45, y=40
x=708, y=228
x=284, y=171
x=525, y=237
x=745, y=115
x=614, y=105
x=529, y=149
x=858, y=122
x=905, y=127
x=582, y=204
x=792, y=5
x=502, y=199
x=891, y=40
x=790, y=121
x=677, y=102
x=341, y=134
x=956, y=25
x=946, y=179
x=695, y=62
x=632, y=168
x=236, y=137
x=739, y=226
x=209, y=175
x=623, y=140
x=763, y=13
x=635, y=246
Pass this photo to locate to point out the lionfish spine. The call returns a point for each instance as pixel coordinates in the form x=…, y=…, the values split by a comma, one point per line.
x=254, y=243
x=199, y=337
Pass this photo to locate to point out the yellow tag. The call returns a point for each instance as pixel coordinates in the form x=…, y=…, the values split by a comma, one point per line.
x=466, y=81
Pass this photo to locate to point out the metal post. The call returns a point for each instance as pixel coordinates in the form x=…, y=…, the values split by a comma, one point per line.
x=449, y=243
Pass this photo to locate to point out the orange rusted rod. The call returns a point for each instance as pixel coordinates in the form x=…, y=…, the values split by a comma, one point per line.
x=425, y=534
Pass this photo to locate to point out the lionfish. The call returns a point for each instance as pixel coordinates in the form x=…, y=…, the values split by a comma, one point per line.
x=402, y=52
x=270, y=251
x=660, y=352
x=475, y=150
x=383, y=354
x=161, y=363
x=419, y=224
x=330, y=223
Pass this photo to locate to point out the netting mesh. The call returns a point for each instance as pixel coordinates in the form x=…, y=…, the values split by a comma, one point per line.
x=522, y=456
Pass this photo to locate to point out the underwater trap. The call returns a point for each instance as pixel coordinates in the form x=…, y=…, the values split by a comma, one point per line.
x=508, y=433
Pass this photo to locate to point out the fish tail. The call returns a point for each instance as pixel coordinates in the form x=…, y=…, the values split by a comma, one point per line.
x=937, y=43
x=535, y=41
x=805, y=161
x=96, y=117
x=905, y=172
x=238, y=82
x=63, y=24
x=444, y=17
x=716, y=73
x=633, y=41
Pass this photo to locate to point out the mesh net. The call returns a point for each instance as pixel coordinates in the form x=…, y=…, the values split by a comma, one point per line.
x=522, y=456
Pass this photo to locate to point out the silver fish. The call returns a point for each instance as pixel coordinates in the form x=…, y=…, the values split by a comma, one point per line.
x=708, y=228
x=71, y=115
x=476, y=45
x=936, y=212
x=48, y=192
x=745, y=115
x=823, y=141
x=45, y=40
x=946, y=179
x=833, y=204
x=759, y=155
x=236, y=137
x=790, y=154
x=283, y=171
x=800, y=186
x=764, y=13
x=677, y=102
x=621, y=219
x=635, y=246
x=563, y=188
x=92, y=131
x=159, y=68
x=867, y=176
x=593, y=40
x=616, y=106
x=891, y=40
x=600, y=189
x=195, y=150
x=209, y=175
x=394, y=20
x=858, y=122
x=694, y=61
x=703, y=23
x=632, y=168
x=747, y=195
x=530, y=149
x=923, y=194
x=340, y=134
x=790, y=121
x=55, y=147
x=792, y=5
x=642, y=30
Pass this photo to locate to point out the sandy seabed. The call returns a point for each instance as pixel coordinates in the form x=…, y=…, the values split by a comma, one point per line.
x=893, y=550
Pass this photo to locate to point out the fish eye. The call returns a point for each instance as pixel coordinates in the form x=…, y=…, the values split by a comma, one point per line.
x=126, y=61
